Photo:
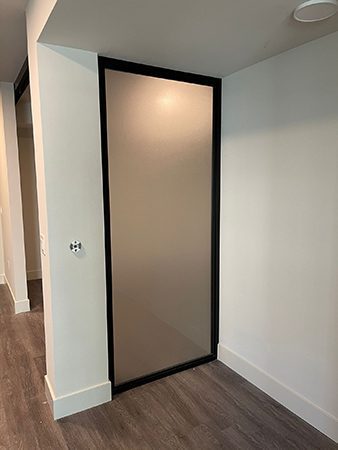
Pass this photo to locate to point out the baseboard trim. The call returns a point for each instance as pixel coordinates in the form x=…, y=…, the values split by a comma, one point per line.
x=2, y=278
x=20, y=306
x=295, y=402
x=77, y=401
x=34, y=275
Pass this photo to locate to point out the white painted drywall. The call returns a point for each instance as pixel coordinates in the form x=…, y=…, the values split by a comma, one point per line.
x=72, y=153
x=37, y=14
x=65, y=110
x=10, y=202
x=214, y=37
x=279, y=227
x=279, y=265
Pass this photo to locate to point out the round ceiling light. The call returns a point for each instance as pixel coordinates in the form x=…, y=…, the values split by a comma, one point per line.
x=315, y=10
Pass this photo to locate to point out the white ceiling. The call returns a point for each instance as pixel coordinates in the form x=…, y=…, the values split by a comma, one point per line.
x=13, y=49
x=214, y=37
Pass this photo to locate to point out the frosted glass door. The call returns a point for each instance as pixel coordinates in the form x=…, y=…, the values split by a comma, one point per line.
x=159, y=135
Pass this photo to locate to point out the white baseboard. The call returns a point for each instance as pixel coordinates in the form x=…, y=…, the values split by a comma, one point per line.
x=34, y=274
x=77, y=401
x=295, y=402
x=20, y=306
x=2, y=278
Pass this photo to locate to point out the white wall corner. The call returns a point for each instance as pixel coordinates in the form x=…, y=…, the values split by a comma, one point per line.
x=295, y=402
x=75, y=402
x=11, y=202
x=2, y=278
x=20, y=306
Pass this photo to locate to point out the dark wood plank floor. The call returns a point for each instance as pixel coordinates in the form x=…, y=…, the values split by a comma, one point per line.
x=209, y=407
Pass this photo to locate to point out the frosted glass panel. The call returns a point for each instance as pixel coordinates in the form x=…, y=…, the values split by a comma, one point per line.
x=160, y=152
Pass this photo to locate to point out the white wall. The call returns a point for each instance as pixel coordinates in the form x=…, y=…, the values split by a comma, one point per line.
x=37, y=14
x=279, y=229
x=10, y=202
x=65, y=109
x=72, y=152
x=279, y=217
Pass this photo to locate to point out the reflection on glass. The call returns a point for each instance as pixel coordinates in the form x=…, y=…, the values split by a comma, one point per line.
x=160, y=147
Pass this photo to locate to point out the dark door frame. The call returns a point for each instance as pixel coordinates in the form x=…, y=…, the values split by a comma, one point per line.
x=22, y=81
x=216, y=83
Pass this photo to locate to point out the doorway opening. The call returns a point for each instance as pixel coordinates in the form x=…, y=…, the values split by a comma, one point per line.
x=28, y=188
x=161, y=164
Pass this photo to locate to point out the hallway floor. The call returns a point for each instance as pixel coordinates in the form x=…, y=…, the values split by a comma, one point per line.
x=209, y=407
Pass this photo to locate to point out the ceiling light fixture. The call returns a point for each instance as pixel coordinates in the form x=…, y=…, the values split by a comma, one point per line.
x=315, y=10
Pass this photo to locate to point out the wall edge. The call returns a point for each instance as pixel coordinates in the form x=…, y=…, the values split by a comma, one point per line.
x=78, y=401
